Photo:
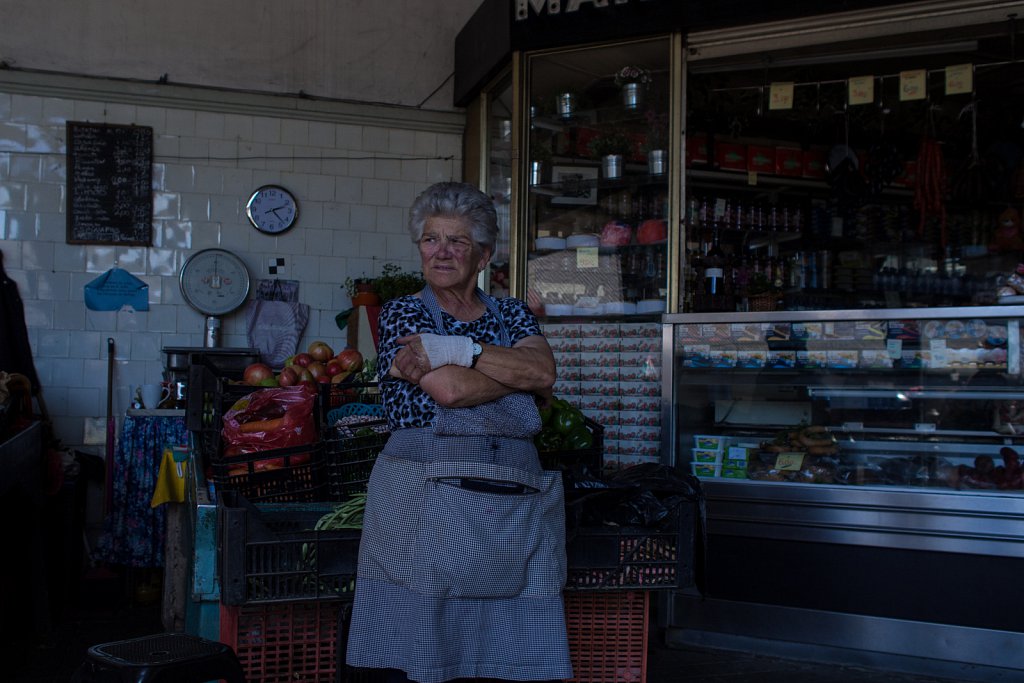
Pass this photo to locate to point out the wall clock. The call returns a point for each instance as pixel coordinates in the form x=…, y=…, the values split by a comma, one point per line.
x=272, y=209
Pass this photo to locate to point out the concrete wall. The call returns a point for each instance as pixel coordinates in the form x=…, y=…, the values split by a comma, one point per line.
x=395, y=52
x=355, y=169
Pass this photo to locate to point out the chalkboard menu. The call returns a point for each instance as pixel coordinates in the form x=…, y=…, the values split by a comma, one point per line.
x=110, y=184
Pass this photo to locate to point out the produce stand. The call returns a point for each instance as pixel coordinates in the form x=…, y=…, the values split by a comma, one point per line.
x=283, y=587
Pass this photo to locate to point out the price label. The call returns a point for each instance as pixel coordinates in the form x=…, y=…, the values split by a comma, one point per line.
x=586, y=257
x=752, y=178
x=853, y=426
x=894, y=347
x=861, y=89
x=959, y=79
x=789, y=462
x=924, y=427
x=780, y=96
x=913, y=85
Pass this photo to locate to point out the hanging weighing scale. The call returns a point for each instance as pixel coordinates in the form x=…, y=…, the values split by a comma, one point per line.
x=214, y=282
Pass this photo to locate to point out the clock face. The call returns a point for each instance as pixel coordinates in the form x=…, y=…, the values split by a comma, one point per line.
x=272, y=209
x=214, y=281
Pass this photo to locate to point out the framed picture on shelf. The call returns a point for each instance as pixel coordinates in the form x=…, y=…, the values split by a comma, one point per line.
x=578, y=184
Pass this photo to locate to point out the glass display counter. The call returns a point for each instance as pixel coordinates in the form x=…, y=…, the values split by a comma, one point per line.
x=862, y=478
x=897, y=398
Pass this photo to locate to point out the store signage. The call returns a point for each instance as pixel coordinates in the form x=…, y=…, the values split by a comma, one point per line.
x=780, y=96
x=524, y=7
x=959, y=79
x=539, y=24
x=861, y=90
x=913, y=85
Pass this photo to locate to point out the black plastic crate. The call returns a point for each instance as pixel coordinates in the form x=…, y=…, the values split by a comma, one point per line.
x=592, y=458
x=272, y=553
x=350, y=451
x=610, y=557
x=300, y=476
x=284, y=475
x=210, y=396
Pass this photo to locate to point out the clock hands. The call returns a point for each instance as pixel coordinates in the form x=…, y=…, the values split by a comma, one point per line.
x=275, y=210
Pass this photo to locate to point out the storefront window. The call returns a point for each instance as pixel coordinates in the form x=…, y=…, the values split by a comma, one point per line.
x=880, y=175
x=598, y=167
x=499, y=179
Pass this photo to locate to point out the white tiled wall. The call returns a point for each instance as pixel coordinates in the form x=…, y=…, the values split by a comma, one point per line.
x=354, y=179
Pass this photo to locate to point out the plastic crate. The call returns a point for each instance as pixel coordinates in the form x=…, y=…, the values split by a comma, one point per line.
x=624, y=558
x=350, y=452
x=607, y=636
x=299, y=475
x=337, y=395
x=592, y=458
x=271, y=553
x=291, y=641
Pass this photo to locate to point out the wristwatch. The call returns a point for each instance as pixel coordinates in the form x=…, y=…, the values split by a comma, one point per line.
x=477, y=350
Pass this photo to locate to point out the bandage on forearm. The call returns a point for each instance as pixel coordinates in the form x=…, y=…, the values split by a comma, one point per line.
x=447, y=350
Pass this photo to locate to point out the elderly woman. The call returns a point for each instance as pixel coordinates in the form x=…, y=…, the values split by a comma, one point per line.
x=462, y=559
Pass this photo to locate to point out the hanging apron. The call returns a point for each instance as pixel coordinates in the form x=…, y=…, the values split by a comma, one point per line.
x=462, y=554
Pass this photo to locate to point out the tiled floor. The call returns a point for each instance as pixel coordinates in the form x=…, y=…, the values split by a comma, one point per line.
x=55, y=659
x=666, y=665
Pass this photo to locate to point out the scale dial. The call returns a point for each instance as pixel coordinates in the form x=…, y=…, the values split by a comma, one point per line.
x=214, y=281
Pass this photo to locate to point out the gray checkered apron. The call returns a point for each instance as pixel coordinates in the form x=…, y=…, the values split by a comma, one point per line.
x=462, y=560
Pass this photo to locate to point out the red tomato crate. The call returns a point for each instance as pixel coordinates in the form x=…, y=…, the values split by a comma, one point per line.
x=607, y=635
x=291, y=641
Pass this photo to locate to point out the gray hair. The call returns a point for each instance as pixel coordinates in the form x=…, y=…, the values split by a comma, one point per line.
x=456, y=200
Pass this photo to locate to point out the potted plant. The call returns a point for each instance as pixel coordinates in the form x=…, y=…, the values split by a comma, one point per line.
x=392, y=282
x=540, y=159
x=611, y=148
x=632, y=79
x=613, y=142
x=656, y=145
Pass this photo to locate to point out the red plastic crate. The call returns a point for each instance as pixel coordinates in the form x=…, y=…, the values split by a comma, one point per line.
x=299, y=641
x=290, y=641
x=607, y=636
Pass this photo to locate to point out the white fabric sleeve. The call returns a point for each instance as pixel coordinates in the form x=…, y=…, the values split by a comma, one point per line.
x=447, y=350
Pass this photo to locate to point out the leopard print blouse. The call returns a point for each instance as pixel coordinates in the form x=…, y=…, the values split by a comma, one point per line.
x=406, y=404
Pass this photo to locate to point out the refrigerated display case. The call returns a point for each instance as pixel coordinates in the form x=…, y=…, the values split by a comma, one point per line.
x=920, y=398
x=863, y=478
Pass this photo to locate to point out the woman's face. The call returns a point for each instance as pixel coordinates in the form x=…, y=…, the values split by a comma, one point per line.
x=451, y=259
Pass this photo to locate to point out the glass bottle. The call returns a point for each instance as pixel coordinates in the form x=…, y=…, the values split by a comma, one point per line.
x=714, y=267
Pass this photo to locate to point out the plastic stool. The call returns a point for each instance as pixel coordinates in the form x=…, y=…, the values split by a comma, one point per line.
x=165, y=657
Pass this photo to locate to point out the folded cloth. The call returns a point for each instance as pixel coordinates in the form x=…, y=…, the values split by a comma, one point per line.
x=514, y=415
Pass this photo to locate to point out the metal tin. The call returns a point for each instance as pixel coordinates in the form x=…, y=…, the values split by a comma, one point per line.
x=611, y=165
x=631, y=95
x=657, y=162
x=565, y=104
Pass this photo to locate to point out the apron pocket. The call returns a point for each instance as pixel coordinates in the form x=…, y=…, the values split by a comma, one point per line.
x=488, y=531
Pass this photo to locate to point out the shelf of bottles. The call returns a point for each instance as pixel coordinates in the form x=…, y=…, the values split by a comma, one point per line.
x=794, y=252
